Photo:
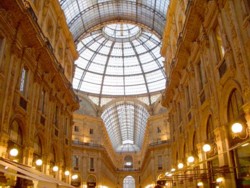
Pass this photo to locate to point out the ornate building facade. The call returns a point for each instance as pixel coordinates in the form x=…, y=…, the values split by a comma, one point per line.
x=37, y=100
x=206, y=46
x=51, y=137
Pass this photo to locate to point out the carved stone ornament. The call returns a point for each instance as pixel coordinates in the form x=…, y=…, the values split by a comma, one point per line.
x=6, y=16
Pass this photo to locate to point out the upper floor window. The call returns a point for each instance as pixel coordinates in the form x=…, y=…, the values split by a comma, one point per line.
x=91, y=131
x=66, y=129
x=75, y=162
x=158, y=130
x=42, y=101
x=91, y=165
x=202, y=76
x=219, y=43
x=23, y=80
x=160, y=162
x=76, y=128
x=56, y=116
x=210, y=129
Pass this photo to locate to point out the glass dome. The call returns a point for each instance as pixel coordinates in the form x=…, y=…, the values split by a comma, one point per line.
x=119, y=60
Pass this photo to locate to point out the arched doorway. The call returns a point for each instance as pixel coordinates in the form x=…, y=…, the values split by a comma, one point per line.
x=128, y=182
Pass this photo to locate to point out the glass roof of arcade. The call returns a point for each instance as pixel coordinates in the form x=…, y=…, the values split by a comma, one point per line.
x=119, y=45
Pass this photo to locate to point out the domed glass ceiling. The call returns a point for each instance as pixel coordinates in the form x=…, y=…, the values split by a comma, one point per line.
x=129, y=66
x=84, y=16
x=119, y=46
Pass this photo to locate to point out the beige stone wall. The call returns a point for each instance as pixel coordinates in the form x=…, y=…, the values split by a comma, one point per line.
x=206, y=47
x=90, y=140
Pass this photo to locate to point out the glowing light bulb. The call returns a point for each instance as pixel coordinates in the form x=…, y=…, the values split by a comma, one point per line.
x=237, y=128
x=74, y=177
x=219, y=179
x=55, y=168
x=206, y=148
x=190, y=159
x=199, y=184
x=14, y=152
x=180, y=165
x=39, y=162
x=66, y=173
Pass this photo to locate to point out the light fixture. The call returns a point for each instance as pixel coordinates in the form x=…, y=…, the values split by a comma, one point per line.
x=55, y=168
x=237, y=130
x=190, y=159
x=244, y=145
x=39, y=162
x=219, y=179
x=206, y=147
x=166, y=173
x=66, y=173
x=200, y=183
x=14, y=152
x=128, y=163
x=74, y=177
x=173, y=169
x=180, y=165
x=169, y=174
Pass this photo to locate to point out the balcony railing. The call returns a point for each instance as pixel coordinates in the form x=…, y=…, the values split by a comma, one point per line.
x=88, y=144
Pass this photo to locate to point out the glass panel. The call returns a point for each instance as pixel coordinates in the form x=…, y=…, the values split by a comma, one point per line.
x=123, y=121
x=92, y=13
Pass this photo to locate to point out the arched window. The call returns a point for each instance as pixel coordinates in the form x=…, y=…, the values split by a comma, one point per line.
x=75, y=162
x=52, y=158
x=184, y=150
x=210, y=129
x=235, y=103
x=15, y=139
x=195, y=142
x=128, y=182
x=37, y=152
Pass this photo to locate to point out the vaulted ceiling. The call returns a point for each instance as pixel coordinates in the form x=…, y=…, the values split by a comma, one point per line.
x=119, y=45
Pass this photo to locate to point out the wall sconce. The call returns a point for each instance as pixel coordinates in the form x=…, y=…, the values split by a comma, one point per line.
x=180, y=165
x=210, y=148
x=66, y=173
x=190, y=159
x=13, y=152
x=168, y=174
x=39, y=162
x=206, y=148
x=74, y=177
x=173, y=170
x=55, y=168
x=237, y=130
x=200, y=184
x=219, y=180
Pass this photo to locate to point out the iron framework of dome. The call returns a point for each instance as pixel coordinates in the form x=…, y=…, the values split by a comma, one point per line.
x=117, y=63
x=119, y=46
